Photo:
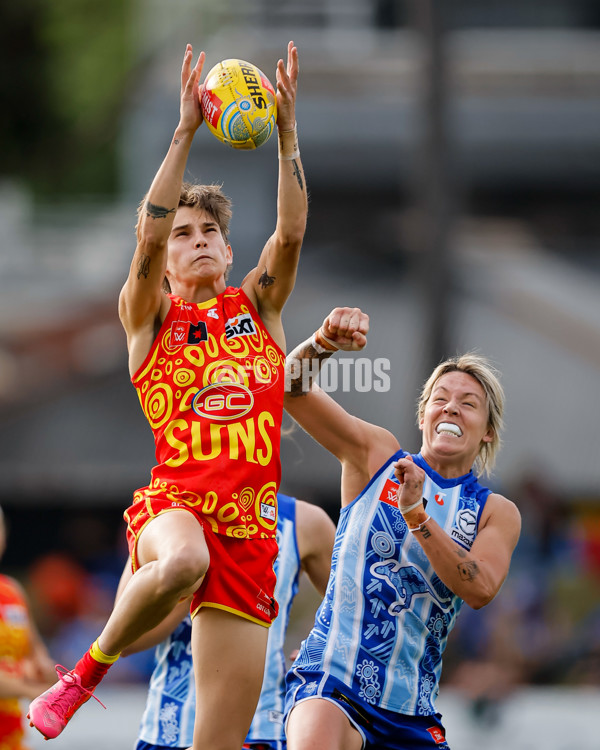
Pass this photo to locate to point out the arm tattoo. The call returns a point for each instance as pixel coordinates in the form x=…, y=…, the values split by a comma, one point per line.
x=298, y=174
x=301, y=368
x=157, y=212
x=266, y=280
x=425, y=532
x=295, y=388
x=143, y=266
x=468, y=571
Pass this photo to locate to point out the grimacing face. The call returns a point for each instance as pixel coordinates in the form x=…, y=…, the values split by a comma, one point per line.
x=455, y=420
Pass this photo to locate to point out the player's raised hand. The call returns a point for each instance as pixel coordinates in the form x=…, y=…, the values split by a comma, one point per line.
x=346, y=328
x=411, y=478
x=287, y=84
x=190, y=114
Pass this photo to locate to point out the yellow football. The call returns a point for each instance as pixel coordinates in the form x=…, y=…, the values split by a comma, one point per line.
x=238, y=104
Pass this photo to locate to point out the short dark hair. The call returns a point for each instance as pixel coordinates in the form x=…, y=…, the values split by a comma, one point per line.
x=209, y=198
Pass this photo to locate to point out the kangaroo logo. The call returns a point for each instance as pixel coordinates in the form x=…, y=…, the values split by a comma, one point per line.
x=407, y=581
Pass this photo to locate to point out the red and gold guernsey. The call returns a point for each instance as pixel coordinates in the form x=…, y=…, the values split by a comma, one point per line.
x=14, y=648
x=211, y=388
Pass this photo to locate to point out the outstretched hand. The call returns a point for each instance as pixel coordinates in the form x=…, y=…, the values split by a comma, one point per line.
x=347, y=328
x=286, y=77
x=190, y=113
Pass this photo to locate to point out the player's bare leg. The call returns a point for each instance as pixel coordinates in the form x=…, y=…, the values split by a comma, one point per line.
x=229, y=657
x=174, y=558
x=318, y=724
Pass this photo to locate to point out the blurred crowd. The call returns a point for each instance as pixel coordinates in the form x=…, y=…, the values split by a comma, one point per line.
x=545, y=628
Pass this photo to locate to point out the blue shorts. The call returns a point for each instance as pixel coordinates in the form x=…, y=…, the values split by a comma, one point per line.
x=380, y=729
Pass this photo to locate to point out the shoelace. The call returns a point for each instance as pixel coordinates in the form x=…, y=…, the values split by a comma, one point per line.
x=62, y=700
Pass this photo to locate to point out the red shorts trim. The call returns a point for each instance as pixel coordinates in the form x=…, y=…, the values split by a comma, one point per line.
x=240, y=578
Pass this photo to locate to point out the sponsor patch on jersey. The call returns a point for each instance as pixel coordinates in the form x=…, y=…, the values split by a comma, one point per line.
x=464, y=527
x=268, y=511
x=437, y=735
x=389, y=493
x=185, y=332
x=241, y=325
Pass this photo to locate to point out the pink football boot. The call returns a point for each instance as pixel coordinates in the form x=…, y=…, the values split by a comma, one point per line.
x=50, y=712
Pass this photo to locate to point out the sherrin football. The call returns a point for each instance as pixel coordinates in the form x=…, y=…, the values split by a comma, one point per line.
x=238, y=104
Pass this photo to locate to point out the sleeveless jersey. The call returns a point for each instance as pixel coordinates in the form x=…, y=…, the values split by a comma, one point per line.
x=211, y=388
x=385, y=619
x=14, y=647
x=168, y=718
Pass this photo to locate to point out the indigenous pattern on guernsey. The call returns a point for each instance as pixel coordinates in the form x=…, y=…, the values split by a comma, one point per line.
x=169, y=714
x=14, y=647
x=386, y=615
x=212, y=391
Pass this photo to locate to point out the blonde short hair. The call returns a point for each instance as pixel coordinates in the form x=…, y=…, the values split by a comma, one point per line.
x=487, y=376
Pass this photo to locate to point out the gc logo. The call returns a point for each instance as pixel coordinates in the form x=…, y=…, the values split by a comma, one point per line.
x=223, y=401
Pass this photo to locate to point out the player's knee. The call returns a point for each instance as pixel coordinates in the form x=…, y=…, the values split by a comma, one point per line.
x=181, y=571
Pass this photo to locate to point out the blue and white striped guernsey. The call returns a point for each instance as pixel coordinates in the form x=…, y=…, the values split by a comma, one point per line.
x=168, y=718
x=386, y=615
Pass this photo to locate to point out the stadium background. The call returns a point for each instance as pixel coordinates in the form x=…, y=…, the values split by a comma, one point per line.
x=452, y=151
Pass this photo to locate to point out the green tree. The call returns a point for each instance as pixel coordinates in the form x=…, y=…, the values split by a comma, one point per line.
x=63, y=74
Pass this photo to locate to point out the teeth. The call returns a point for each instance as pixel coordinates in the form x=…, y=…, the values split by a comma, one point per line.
x=448, y=429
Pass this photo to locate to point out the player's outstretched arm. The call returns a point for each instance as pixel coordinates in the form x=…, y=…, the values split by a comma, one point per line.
x=272, y=281
x=141, y=297
x=354, y=442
